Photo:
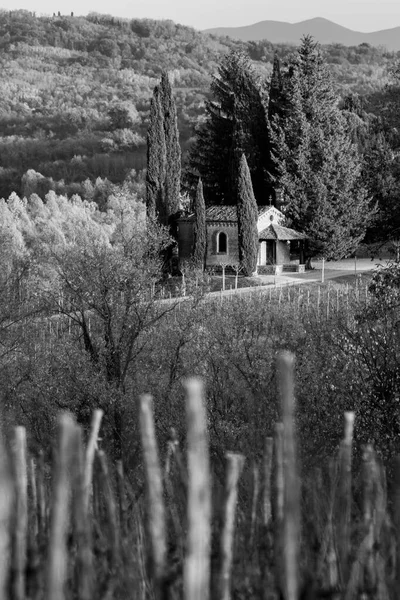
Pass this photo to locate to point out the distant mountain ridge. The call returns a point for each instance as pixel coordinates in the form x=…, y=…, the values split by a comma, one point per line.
x=323, y=30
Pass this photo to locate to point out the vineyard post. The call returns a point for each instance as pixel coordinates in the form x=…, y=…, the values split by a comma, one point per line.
x=279, y=506
x=6, y=507
x=82, y=524
x=234, y=467
x=397, y=519
x=344, y=500
x=156, y=511
x=21, y=520
x=196, y=574
x=57, y=566
x=291, y=492
x=256, y=491
x=89, y=456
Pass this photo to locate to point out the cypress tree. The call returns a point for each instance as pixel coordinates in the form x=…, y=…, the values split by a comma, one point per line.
x=247, y=214
x=163, y=154
x=172, y=184
x=156, y=160
x=199, y=231
x=277, y=98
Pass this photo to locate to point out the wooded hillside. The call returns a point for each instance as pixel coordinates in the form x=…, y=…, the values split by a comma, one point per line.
x=75, y=91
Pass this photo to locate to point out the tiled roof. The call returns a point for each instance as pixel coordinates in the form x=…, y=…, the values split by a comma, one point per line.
x=222, y=213
x=277, y=232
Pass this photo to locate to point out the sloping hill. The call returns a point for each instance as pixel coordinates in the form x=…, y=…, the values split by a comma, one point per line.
x=323, y=30
x=75, y=91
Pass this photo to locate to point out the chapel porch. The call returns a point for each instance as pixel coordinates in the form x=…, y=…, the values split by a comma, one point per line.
x=281, y=246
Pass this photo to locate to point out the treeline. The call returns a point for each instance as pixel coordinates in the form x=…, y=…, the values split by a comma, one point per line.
x=132, y=39
x=65, y=78
x=330, y=164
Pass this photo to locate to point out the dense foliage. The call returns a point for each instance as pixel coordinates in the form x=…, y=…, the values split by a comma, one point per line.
x=156, y=159
x=199, y=228
x=75, y=92
x=80, y=265
x=236, y=98
x=247, y=217
x=81, y=288
x=318, y=163
x=173, y=149
x=97, y=268
x=163, y=174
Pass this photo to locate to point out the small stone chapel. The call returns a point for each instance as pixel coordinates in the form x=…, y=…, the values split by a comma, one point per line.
x=277, y=245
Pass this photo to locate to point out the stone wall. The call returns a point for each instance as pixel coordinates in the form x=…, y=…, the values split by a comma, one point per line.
x=232, y=255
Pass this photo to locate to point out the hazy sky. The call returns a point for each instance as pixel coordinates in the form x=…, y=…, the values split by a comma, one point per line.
x=360, y=15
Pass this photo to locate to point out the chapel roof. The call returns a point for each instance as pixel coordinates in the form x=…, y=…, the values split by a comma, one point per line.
x=223, y=213
x=278, y=232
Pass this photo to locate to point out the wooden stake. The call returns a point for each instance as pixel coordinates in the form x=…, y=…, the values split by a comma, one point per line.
x=235, y=464
x=344, y=497
x=57, y=560
x=41, y=497
x=82, y=524
x=397, y=520
x=122, y=499
x=291, y=516
x=112, y=529
x=154, y=486
x=196, y=576
x=6, y=508
x=256, y=490
x=89, y=458
x=21, y=513
x=267, y=472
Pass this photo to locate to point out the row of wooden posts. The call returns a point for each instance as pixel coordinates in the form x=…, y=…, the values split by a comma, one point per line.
x=321, y=301
x=73, y=534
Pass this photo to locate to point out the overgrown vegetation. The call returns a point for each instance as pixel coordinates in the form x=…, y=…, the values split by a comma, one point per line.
x=188, y=523
x=88, y=319
x=75, y=93
x=82, y=287
x=86, y=323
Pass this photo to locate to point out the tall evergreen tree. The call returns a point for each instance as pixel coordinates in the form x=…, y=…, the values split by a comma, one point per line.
x=381, y=174
x=199, y=232
x=319, y=165
x=163, y=154
x=173, y=150
x=277, y=98
x=156, y=160
x=237, y=95
x=247, y=214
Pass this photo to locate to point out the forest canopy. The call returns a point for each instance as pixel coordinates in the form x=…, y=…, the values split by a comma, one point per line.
x=75, y=91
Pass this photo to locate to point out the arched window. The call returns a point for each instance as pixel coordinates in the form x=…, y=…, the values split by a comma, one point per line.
x=222, y=243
